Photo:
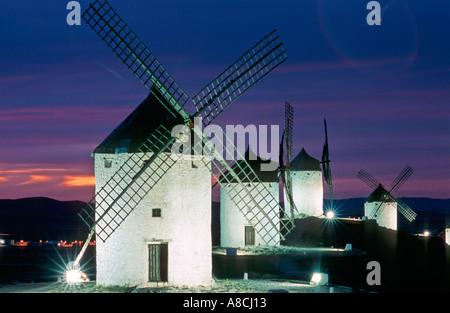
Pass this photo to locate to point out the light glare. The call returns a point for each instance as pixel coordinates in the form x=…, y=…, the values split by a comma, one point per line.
x=319, y=279
x=316, y=278
x=330, y=214
x=75, y=276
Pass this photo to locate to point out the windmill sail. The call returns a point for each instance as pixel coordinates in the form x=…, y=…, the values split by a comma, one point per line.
x=386, y=196
x=257, y=62
x=115, y=201
x=326, y=164
x=285, y=167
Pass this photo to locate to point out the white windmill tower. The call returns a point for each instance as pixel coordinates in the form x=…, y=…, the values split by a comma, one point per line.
x=302, y=177
x=236, y=230
x=151, y=212
x=381, y=205
x=307, y=185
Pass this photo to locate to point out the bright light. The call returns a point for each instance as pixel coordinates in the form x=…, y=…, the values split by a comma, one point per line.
x=426, y=233
x=75, y=276
x=330, y=215
x=316, y=278
x=319, y=279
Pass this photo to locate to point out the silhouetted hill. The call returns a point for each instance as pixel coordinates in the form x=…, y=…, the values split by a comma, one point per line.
x=42, y=218
x=49, y=219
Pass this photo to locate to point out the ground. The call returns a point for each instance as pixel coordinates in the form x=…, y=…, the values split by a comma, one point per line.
x=307, y=251
x=220, y=286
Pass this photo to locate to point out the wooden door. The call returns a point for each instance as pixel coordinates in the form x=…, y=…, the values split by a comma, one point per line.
x=157, y=262
x=249, y=235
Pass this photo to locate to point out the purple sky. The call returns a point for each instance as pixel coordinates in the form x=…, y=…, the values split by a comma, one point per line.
x=384, y=90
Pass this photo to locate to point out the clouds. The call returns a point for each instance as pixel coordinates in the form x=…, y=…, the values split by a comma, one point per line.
x=385, y=95
x=22, y=180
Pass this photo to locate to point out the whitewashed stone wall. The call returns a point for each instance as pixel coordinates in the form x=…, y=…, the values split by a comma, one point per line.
x=184, y=197
x=388, y=216
x=307, y=192
x=233, y=221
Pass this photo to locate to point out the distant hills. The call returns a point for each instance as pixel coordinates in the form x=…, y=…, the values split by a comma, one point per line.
x=48, y=219
x=42, y=219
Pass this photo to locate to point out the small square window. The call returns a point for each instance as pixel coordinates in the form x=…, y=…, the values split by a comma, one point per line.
x=108, y=162
x=156, y=212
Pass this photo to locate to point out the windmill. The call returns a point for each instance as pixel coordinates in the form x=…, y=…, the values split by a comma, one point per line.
x=137, y=176
x=285, y=168
x=301, y=176
x=326, y=165
x=236, y=230
x=381, y=204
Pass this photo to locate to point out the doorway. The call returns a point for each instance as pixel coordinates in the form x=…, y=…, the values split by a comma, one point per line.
x=249, y=236
x=157, y=262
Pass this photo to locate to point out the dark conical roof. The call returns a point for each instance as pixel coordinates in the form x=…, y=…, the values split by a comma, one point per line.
x=304, y=162
x=379, y=194
x=255, y=163
x=129, y=135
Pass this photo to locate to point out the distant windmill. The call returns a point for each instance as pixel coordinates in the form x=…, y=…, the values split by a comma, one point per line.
x=381, y=204
x=236, y=229
x=301, y=176
x=144, y=170
x=326, y=165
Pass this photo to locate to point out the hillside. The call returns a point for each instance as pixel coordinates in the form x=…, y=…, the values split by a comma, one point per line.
x=49, y=219
x=42, y=219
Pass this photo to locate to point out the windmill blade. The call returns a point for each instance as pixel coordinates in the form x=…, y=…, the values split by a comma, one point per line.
x=130, y=49
x=287, y=185
x=257, y=62
x=281, y=153
x=368, y=179
x=326, y=164
x=401, y=178
x=325, y=152
x=327, y=174
x=256, y=196
x=405, y=210
x=289, y=126
x=115, y=200
x=402, y=207
x=377, y=211
x=286, y=174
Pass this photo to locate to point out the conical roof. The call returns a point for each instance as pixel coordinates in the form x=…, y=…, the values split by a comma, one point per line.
x=378, y=195
x=255, y=163
x=304, y=162
x=132, y=132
